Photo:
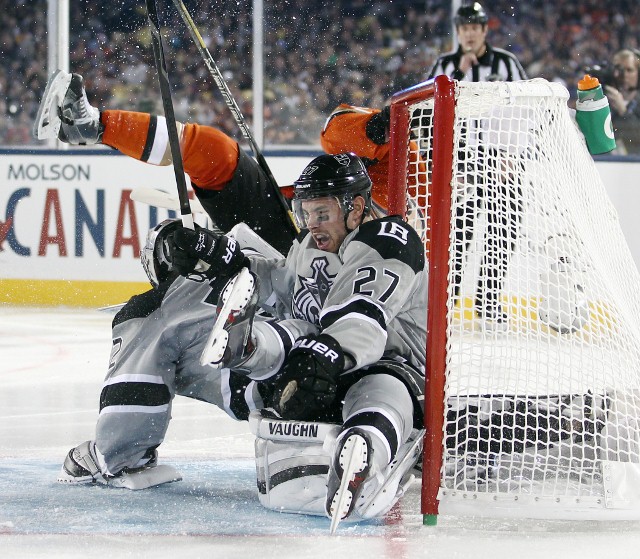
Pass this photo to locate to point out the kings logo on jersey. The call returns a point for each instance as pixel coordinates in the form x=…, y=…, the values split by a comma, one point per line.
x=309, y=299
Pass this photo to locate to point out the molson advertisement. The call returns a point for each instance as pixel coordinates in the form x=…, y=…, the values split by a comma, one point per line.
x=69, y=232
x=70, y=235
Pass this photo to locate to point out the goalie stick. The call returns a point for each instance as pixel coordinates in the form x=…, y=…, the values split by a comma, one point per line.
x=218, y=79
x=167, y=104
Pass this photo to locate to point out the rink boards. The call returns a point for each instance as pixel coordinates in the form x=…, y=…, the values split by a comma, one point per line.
x=70, y=234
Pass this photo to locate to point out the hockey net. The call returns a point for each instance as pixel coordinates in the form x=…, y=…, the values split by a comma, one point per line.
x=533, y=348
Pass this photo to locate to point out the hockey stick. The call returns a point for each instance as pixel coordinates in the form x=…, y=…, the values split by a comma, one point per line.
x=167, y=104
x=218, y=78
x=161, y=199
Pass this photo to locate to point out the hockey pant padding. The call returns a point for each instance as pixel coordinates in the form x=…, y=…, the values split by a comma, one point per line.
x=155, y=356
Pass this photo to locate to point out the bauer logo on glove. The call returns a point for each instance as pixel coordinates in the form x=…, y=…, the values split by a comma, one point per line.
x=317, y=346
x=309, y=383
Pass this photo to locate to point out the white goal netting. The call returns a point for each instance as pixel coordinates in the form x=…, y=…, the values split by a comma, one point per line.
x=542, y=366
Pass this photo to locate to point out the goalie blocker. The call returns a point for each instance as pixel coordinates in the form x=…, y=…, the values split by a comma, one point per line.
x=292, y=465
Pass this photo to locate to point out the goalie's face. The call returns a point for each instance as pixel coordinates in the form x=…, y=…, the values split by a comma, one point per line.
x=325, y=220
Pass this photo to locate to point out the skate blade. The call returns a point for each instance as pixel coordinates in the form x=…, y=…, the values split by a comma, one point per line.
x=64, y=477
x=355, y=453
x=45, y=126
x=397, y=472
x=235, y=297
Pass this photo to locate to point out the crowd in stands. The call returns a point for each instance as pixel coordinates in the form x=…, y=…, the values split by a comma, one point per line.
x=317, y=54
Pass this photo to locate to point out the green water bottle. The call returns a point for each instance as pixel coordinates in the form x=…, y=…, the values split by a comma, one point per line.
x=594, y=116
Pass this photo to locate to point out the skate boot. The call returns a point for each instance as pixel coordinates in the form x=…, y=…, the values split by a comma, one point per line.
x=231, y=343
x=82, y=466
x=351, y=467
x=358, y=488
x=65, y=112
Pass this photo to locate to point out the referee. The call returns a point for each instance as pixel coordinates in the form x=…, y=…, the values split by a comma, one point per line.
x=496, y=181
x=475, y=60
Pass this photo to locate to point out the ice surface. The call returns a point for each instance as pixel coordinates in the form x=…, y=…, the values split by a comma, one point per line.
x=52, y=362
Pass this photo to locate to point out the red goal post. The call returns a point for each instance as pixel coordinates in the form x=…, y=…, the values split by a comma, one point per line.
x=442, y=90
x=532, y=398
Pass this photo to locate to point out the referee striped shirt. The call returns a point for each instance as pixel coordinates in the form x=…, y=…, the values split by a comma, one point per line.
x=494, y=65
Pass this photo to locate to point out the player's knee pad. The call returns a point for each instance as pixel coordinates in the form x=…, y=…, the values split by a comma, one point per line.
x=292, y=462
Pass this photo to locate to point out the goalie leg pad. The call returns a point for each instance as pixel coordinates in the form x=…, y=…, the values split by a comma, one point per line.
x=292, y=462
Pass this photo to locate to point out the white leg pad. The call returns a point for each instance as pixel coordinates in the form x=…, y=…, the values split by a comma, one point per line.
x=292, y=463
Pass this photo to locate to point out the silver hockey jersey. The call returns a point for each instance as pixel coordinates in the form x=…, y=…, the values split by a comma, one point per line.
x=371, y=296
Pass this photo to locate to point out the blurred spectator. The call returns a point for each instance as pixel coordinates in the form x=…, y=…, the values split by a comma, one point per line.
x=624, y=101
x=317, y=54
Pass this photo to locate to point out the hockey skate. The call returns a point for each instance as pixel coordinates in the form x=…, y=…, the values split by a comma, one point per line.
x=230, y=343
x=65, y=112
x=352, y=464
x=356, y=490
x=82, y=466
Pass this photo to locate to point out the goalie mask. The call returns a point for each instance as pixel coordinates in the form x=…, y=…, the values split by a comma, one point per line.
x=155, y=256
x=342, y=176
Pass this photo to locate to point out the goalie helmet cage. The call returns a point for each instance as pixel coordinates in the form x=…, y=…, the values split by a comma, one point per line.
x=532, y=402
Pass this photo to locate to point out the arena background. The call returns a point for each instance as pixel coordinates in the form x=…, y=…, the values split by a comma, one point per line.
x=71, y=236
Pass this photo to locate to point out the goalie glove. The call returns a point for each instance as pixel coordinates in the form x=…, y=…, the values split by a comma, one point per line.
x=222, y=254
x=309, y=382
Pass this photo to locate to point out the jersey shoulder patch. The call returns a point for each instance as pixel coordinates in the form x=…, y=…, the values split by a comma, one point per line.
x=393, y=239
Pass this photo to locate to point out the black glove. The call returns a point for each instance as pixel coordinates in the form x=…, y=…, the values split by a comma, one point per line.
x=221, y=253
x=377, y=127
x=309, y=382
